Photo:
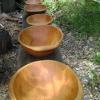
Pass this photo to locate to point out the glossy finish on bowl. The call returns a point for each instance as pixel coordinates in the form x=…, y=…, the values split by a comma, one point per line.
x=35, y=8
x=39, y=19
x=40, y=40
x=33, y=1
x=45, y=80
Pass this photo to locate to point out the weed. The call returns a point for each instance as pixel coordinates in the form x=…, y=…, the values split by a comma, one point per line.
x=98, y=42
x=94, y=78
x=83, y=15
x=97, y=58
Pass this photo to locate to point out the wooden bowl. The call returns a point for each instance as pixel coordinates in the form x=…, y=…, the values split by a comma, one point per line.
x=37, y=8
x=39, y=19
x=33, y=1
x=45, y=80
x=40, y=40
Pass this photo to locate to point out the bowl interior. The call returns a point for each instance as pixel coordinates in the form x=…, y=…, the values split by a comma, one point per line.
x=39, y=19
x=45, y=35
x=44, y=80
x=33, y=1
x=35, y=8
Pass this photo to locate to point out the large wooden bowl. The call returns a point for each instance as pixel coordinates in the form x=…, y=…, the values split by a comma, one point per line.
x=37, y=8
x=33, y=1
x=40, y=40
x=45, y=80
x=39, y=19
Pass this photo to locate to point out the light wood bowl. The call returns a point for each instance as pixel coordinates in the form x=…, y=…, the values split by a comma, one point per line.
x=39, y=19
x=37, y=8
x=40, y=40
x=33, y=1
x=45, y=80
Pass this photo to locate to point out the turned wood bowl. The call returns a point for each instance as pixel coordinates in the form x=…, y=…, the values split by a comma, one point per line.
x=33, y=1
x=35, y=8
x=39, y=19
x=45, y=80
x=40, y=40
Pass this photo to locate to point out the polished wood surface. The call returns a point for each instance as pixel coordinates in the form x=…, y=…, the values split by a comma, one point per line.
x=33, y=1
x=40, y=40
x=35, y=8
x=45, y=80
x=39, y=19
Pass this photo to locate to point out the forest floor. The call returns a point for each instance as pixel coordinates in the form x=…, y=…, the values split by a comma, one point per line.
x=75, y=52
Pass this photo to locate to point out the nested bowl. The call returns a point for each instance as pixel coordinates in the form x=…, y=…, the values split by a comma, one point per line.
x=45, y=80
x=35, y=8
x=39, y=19
x=40, y=40
x=33, y=1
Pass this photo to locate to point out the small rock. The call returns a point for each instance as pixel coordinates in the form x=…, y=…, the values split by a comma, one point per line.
x=87, y=97
x=91, y=39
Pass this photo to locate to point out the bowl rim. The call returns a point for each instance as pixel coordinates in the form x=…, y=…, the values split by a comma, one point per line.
x=40, y=10
x=41, y=48
x=27, y=2
x=47, y=23
x=80, y=85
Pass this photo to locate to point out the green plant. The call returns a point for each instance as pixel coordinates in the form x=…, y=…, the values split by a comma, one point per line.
x=98, y=42
x=72, y=14
x=94, y=78
x=92, y=5
x=97, y=58
x=54, y=5
x=81, y=15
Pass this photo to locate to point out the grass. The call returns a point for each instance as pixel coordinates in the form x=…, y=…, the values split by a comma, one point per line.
x=83, y=15
x=94, y=78
x=98, y=42
x=96, y=58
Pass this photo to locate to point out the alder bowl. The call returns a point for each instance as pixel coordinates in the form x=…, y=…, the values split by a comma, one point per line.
x=45, y=80
x=39, y=19
x=37, y=8
x=40, y=40
x=33, y=1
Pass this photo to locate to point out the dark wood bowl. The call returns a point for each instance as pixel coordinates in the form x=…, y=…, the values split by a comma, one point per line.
x=39, y=19
x=45, y=80
x=37, y=8
x=33, y=1
x=40, y=40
